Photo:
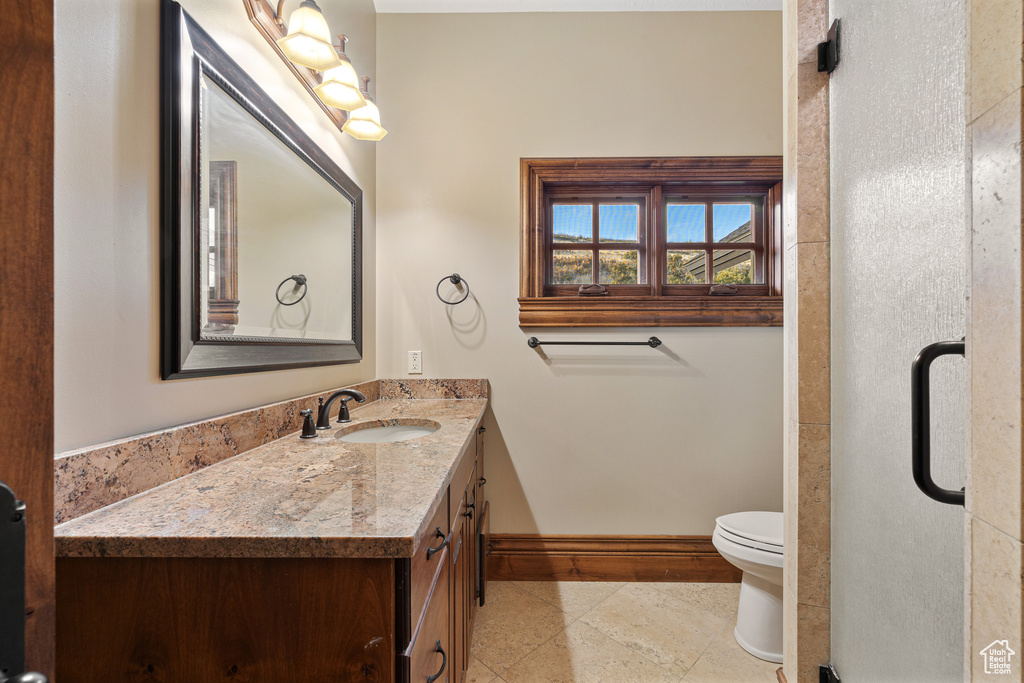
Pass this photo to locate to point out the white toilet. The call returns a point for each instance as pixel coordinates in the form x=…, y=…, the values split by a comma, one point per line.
x=752, y=541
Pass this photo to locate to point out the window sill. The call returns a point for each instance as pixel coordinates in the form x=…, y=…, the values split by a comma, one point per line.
x=622, y=311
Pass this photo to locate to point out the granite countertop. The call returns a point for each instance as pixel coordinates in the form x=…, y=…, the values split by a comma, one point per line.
x=293, y=497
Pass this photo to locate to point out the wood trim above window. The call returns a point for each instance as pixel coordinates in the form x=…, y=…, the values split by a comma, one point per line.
x=654, y=303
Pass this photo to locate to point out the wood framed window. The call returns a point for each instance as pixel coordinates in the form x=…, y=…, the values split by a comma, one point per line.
x=657, y=234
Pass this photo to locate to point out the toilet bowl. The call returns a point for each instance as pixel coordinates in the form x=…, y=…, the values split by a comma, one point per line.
x=752, y=541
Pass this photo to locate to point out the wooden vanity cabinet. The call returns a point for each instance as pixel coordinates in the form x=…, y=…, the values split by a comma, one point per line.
x=454, y=603
x=204, y=620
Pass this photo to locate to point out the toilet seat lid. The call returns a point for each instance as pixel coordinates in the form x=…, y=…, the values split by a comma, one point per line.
x=756, y=545
x=763, y=527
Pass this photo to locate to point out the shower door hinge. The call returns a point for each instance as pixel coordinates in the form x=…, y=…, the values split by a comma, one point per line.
x=828, y=52
x=827, y=674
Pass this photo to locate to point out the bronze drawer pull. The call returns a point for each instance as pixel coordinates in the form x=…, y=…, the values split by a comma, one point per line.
x=444, y=661
x=431, y=551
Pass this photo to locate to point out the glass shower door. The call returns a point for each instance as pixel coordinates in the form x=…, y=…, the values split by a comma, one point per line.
x=899, y=262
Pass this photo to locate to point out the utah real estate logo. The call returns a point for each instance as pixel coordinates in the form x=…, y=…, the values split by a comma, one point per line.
x=997, y=657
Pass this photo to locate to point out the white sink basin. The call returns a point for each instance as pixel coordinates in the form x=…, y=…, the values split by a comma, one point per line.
x=371, y=433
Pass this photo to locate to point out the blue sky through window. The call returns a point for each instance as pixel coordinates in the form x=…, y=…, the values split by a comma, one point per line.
x=572, y=222
x=618, y=222
x=729, y=217
x=685, y=222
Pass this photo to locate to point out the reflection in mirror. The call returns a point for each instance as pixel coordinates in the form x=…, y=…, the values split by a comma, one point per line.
x=269, y=216
x=260, y=230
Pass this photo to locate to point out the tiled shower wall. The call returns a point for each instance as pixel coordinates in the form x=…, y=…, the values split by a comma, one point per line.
x=808, y=393
x=994, y=500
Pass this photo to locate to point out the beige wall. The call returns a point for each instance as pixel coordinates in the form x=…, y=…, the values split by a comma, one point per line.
x=107, y=214
x=601, y=441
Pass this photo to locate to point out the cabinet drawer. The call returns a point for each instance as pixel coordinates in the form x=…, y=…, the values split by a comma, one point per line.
x=423, y=568
x=429, y=655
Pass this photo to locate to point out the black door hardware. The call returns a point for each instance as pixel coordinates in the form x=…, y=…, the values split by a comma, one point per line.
x=828, y=52
x=12, y=591
x=827, y=674
x=920, y=421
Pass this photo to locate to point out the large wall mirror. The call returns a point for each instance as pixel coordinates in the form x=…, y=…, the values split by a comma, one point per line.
x=261, y=230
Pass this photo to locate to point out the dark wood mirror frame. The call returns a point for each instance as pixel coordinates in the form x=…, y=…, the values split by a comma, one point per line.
x=187, y=54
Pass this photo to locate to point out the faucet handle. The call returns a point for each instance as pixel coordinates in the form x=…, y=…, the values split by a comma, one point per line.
x=343, y=413
x=308, y=428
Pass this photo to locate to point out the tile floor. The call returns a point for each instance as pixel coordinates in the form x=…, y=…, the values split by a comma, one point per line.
x=591, y=632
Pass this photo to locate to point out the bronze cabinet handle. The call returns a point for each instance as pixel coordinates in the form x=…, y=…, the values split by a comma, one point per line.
x=444, y=661
x=439, y=534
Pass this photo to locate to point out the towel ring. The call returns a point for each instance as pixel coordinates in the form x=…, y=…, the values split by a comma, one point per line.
x=299, y=280
x=455, y=279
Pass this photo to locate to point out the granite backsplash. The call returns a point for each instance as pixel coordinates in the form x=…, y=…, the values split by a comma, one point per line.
x=93, y=477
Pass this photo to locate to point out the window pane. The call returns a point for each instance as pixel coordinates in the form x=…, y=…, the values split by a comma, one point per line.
x=572, y=222
x=685, y=222
x=618, y=222
x=573, y=268
x=686, y=267
x=732, y=222
x=734, y=267
x=619, y=267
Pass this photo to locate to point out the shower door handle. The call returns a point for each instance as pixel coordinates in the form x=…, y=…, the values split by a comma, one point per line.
x=920, y=421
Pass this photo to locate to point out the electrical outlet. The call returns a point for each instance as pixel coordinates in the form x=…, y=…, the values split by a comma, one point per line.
x=415, y=362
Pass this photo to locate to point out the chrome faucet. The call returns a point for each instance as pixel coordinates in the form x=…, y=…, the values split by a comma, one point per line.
x=323, y=417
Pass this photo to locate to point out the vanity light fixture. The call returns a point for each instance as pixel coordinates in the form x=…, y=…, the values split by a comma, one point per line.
x=364, y=123
x=340, y=86
x=308, y=42
x=304, y=44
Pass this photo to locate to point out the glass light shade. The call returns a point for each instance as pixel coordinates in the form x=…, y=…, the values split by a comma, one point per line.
x=364, y=124
x=308, y=42
x=340, y=88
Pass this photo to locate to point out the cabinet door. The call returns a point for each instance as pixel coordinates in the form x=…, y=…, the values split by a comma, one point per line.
x=480, y=527
x=483, y=533
x=472, y=517
x=459, y=606
x=429, y=657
